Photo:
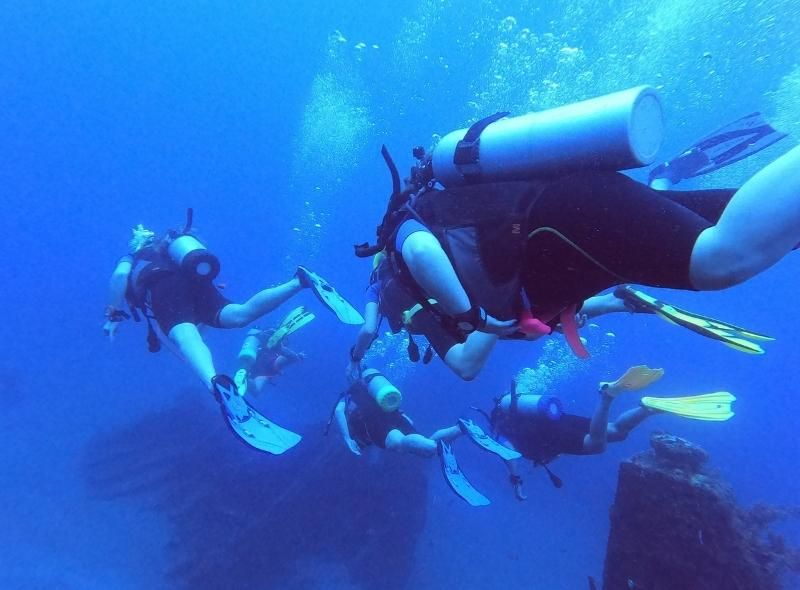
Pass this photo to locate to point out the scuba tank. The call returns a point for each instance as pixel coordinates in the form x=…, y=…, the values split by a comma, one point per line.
x=379, y=388
x=193, y=257
x=612, y=132
x=250, y=347
x=190, y=254
x=539, y=406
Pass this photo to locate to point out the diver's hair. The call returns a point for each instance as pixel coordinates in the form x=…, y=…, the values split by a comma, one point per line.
x=141, y=237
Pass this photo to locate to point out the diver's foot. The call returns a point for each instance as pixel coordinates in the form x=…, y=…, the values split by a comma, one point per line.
x=240, y=379
x=304, y=278
x=225, y=392
x=608, y=389
x=629, y=300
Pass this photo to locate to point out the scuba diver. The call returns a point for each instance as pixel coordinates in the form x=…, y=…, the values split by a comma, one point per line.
x=265, y=353
x=169, y=281
x=537, y=426
x=386, y=300
x=507, y=227
x=369, y=413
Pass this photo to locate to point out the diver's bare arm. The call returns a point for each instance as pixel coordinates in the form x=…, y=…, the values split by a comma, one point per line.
x=119, y=284
x=367, y=332
x=467, y=359
x=431, y=268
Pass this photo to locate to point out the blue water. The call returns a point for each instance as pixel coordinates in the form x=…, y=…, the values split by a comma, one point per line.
x=267, y=118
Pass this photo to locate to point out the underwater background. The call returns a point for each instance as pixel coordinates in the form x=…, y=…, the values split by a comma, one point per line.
x=267, y=118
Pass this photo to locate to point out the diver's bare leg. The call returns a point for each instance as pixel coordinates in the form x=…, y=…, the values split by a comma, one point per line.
x=620, y=428
x=414, y=444
x=237, y=315
x=191, y=345
x=447, y=434
x=595, y=441
x=760, y=225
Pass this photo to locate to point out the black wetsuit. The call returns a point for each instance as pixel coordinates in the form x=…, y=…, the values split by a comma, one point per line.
x=172, y=296
x=594, y=231
x=561, y=241
x=541, y=439
x=368, y=423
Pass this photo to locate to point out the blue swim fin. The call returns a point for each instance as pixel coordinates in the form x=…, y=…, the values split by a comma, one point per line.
x=329, y=297
x=727, y=145
x=484, y=441
x=247, y=423
x=457, y=481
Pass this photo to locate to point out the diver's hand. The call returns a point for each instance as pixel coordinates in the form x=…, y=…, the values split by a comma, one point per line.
x=516, y=482
x=110, y=329
x=352, y=372
x=353, y=446
x=500, y=327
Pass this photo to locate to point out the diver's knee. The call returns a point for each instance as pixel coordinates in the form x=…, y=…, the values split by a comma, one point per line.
x=466, y=373
x=717, y=264
x=594, y=446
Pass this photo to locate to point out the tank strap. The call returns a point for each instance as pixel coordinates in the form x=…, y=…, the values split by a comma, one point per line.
x=570, y=327
x=189, y=219
x=332, y=416
x=467, y=152
x=514, y=405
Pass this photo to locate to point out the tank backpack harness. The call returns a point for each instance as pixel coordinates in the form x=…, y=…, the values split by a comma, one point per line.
x=423, y=200
x=178, y=251
x=514, y=411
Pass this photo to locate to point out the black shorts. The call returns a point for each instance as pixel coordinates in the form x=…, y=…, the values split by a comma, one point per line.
x=372, y=426
x=265, y=365
x=177, y=299
x=542, y=440
x=591, y=231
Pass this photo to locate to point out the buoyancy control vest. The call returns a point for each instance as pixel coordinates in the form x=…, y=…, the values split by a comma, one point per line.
x=178, y=251
x=483, y=229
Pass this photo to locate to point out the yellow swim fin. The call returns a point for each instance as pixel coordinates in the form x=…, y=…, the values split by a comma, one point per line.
x=714, y=407
x=731, y=335
x=637, y=377
x=294, y=320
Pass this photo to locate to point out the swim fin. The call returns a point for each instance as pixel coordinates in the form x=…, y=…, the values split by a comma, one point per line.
x=240, y=378
x=729, y=334
x=727, y=145
x=457, y=481
x=486, y=442
x=247, y=423
x=637, y=377
x=294, y=320
x=709, y=406
x=329, y=297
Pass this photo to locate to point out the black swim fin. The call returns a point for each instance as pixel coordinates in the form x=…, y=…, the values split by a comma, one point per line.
x=727, y=145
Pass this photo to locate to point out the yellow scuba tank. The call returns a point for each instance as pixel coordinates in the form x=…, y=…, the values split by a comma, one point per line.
x=386, y=395
x=539, y=406
x=250, y=347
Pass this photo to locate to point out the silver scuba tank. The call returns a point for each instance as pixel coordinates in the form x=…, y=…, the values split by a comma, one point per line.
x=540, y=406
x=193, y=257
x=612, y=132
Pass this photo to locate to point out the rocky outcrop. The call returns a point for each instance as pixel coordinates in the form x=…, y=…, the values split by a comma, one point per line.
x=675, y=525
